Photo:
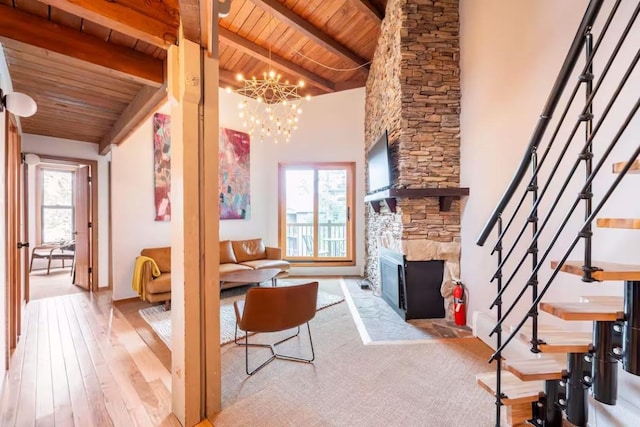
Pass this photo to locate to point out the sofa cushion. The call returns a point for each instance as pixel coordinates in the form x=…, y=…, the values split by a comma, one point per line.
x=160, y=284
x=249, y=250
x=230, y=268
x=162, y=257
x=226, y=252
x=268, y=263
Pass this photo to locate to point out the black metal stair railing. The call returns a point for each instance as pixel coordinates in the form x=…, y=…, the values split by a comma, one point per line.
x=565, y=184
x=509, y=269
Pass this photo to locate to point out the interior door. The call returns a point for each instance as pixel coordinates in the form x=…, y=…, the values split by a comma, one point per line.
x=14, y=251
x=24, y=229
x=82, y=234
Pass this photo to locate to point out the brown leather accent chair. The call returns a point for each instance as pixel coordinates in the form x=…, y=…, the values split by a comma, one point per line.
x=273, y=309
x=158, y=289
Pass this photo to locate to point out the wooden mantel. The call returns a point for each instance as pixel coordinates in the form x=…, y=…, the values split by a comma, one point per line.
x=446, y=196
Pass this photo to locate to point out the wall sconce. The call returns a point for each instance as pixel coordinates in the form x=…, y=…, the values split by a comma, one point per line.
x=18, y=103
x=224, y=6
x=31, y=159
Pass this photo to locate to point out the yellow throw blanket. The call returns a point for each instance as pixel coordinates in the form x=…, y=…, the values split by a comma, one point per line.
x=136, y=283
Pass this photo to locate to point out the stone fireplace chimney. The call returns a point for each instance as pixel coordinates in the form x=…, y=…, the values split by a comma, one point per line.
x=413, y=91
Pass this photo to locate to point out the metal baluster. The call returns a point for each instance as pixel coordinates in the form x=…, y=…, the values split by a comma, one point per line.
x=587, y=156
x=533, y=250
x=498, y=305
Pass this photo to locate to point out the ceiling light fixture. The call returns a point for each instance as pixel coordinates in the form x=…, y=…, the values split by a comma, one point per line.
x=273, y=106
x=18, y=103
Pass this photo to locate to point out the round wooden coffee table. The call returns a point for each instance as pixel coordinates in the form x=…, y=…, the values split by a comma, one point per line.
x=250, y=276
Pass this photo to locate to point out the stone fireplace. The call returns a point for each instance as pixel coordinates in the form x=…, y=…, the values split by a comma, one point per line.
x=413, y=91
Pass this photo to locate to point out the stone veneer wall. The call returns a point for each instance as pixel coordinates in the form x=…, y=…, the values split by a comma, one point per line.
x=413, y=91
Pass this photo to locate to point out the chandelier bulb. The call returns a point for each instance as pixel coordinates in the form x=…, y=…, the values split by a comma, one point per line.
x=239, y=77
x=301, y=83
x=308, y=97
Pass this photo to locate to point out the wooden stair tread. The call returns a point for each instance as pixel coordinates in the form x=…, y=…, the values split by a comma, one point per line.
x=559, y=340
x=626, y=223
x=608, y=310
x=547, y=367
x=515, y=391
x=602, y=298
x=610, y=270
x=635, y=167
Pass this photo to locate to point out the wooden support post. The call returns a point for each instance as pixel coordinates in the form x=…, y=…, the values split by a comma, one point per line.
x=193, y=89
x=209, y=218
x=186, y=360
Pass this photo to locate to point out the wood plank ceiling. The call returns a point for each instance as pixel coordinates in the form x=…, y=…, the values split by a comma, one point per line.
x=93, y=66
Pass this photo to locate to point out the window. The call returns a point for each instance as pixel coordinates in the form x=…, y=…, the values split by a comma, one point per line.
x=316, y=202
x=56, y=205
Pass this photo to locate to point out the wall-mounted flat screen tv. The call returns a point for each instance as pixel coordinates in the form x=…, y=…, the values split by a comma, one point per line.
x=379, y=167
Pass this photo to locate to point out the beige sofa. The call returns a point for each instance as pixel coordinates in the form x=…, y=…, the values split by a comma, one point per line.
x=237, y=255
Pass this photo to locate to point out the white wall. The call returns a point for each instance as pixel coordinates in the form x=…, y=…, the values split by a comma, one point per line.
x=45, y=145
x=511, y=52
x=132, y=195
x=331, y=129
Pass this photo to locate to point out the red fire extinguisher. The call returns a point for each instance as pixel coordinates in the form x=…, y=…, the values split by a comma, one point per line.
x=459, y=309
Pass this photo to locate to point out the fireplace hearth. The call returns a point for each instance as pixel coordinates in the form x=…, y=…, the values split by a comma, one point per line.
x=411, y=288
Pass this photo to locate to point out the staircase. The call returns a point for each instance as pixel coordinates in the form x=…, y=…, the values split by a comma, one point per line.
x=548, y=211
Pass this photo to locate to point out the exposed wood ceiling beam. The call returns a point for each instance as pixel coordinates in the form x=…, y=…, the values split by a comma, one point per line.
x=369, y=8
x=190, y=17
x=262, y=53
x=349, y=84
x=136, y=18
x=148, y=100
x=32, y=30
x=282, y=13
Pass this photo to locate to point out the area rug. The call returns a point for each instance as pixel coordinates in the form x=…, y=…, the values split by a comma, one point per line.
x=160, y=319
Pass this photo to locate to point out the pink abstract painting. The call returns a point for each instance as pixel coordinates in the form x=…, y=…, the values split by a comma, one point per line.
x=234, y=197
x=162, y=165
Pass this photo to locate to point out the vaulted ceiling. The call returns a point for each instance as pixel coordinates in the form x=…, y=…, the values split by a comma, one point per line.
x=96, y=68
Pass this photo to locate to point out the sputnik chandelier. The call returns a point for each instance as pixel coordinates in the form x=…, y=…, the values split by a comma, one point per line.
x=272, y=108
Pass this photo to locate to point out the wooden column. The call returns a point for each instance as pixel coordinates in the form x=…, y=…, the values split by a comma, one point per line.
x=193, y=89
x=210, y=221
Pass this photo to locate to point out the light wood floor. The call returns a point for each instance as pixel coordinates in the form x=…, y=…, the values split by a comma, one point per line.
x=81, y=363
